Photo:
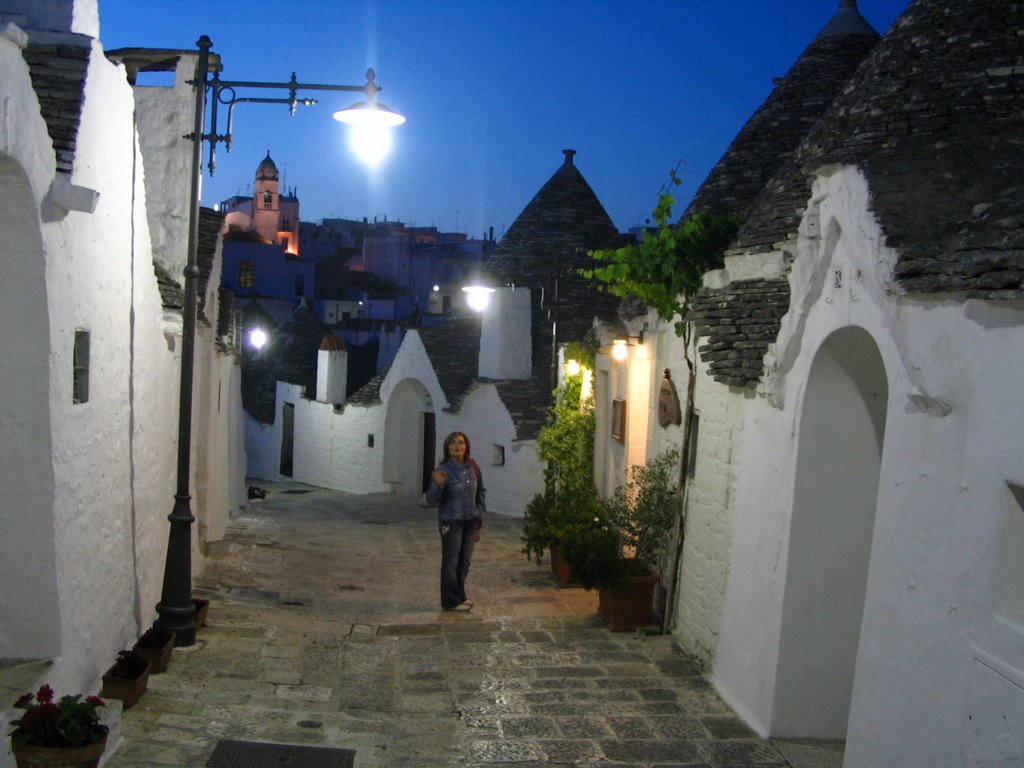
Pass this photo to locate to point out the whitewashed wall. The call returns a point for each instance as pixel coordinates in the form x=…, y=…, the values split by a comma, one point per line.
x=27, y=166
x=331, y=446
x=91, y=484
x=939, y=653
x=89, y=280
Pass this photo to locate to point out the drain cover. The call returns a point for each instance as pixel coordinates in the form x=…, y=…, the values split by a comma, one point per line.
x=251, y=754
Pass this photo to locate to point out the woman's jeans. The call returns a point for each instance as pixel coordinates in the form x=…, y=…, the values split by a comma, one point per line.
x=457, y=541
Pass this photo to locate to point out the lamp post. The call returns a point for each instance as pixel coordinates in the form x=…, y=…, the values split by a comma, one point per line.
x=176, y=610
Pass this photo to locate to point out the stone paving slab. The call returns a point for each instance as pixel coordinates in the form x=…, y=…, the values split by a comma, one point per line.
x=324, y=630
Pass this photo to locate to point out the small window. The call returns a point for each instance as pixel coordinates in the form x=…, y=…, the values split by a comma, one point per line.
x=246, y=273
x=619, y=420
x=497, y=455
x=80, y=366
x=268, y=201
x=369, y=441
x=300, y=284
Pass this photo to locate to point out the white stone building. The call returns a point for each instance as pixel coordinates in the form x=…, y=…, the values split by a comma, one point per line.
x=91, y=352
x=854, y=542
x=466, y=375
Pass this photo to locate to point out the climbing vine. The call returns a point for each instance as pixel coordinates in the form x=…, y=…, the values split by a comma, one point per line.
x=665, y=268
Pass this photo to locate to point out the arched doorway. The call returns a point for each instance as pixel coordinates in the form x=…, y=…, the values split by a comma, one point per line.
x=409, y=437
x=842, y=429
x=27, y=546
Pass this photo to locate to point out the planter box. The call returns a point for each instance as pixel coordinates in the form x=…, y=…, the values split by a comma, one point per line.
x=202, y=606
x=629, y=606
x=156, y=646
x=127, y=689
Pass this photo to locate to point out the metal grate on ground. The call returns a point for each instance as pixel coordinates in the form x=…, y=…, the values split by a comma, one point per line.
x=253, y=754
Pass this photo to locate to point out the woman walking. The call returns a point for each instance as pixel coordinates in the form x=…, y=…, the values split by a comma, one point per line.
x=457, y=488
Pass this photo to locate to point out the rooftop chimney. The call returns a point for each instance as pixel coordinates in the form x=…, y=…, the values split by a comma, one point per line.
x=568, y=155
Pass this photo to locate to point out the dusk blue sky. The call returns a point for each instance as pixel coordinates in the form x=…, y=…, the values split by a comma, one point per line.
x=493, y=91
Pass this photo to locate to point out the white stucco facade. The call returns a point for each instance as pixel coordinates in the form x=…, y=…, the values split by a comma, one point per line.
x=89, y=481
x=390, y=444
x=876, y=551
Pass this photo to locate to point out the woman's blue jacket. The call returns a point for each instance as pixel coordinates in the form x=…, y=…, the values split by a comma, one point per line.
x=462, y=497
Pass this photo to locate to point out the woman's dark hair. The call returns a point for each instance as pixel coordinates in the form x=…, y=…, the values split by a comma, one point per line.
x=448, y=441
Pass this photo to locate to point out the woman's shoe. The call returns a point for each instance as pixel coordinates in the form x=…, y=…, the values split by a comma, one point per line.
x=462, y=608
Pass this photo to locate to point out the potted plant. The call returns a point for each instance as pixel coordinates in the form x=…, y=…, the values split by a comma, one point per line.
x=617, y=552
x=58, y=732
x=127, y=679
x=156, y=645
x=570, y=498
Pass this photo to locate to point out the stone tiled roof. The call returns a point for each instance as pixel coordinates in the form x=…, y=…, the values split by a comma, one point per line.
x=454, y=351
x=739, y=322
x=172, y=292
x=58, y=72
x=557, y=228
x=742, y=319
x=935, y=118
x=528, y=402
x=210, y=224
x=225, y=317
x=172, y=295
x=775, y=130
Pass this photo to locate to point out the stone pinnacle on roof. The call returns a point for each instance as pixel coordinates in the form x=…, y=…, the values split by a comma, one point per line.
x=847, y=21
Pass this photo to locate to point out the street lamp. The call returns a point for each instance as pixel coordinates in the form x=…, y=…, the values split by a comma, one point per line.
x=176, y=610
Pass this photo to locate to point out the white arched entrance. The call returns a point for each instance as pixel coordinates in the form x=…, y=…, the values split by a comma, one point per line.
x=409, y=437
x=841, y=433
x=29, y=607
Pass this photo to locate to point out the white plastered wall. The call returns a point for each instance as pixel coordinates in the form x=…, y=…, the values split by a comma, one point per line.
x=935, y=628
x=27, y=547
x=330, y=447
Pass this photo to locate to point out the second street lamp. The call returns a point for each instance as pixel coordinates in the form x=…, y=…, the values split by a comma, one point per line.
x=176, y=610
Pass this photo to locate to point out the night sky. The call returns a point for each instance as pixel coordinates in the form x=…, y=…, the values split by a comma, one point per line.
x=493, y=91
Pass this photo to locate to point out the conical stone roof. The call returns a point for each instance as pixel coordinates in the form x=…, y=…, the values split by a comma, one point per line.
x=799, y=99
x=556, y=230
x=935, y=119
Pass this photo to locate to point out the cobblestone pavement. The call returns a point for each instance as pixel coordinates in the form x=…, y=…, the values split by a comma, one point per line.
x=324, y=629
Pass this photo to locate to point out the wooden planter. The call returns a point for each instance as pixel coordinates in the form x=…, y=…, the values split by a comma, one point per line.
x=630, y=605
x=156, y=646
x=202, y=606
x=30, y=756
x=127, y=689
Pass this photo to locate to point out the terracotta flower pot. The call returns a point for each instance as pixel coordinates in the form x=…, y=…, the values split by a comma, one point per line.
x=31, y=756
x=560, y=568
x=156, y=645
x=629, y=606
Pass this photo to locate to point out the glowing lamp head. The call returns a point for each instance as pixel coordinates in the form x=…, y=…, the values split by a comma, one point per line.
x=619, y=350
x=257, y=338
x=369, y=114
x=478, y=296
x=572, y=367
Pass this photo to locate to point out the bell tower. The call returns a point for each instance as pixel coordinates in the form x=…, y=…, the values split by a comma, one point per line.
x=266, y=200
